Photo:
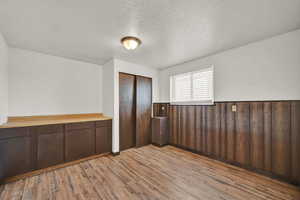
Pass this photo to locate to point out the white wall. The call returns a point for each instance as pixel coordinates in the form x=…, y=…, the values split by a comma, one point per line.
x=41, y=84
x=265, y=70
x=3, y=80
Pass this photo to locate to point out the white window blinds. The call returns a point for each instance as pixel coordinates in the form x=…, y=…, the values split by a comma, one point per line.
x=193, y=87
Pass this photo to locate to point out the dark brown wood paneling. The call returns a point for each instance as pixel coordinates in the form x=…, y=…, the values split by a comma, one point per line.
x=79, y=144
x=161, y=109
x=295, y=139
x=190, y=128
x=183, y=126
x=198, y=128
x=242, y=129
x=143, y=110
x=179, y=129
x=156, y=109
x=217, y=129
x=267, y=136
x=230, y=132
x=281, y=138
x=16, y=153
x=210, y=129
x=170, y=116
x=50, y=145
x=262, y=136
x=127, y=116
x=223, y=135
x=257, y=135
x=103, y=140
x=204, y=130
x=175, y=125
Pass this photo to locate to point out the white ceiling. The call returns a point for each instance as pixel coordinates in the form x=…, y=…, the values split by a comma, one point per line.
x=172, y=31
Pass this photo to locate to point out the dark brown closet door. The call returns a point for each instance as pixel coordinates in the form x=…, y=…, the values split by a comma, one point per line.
x=127, y=111
x=143, y=110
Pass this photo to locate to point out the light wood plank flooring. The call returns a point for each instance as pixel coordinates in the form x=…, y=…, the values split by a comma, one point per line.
x=150, y=173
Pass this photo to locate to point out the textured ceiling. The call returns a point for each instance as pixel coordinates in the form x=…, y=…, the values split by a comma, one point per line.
x=172, y=31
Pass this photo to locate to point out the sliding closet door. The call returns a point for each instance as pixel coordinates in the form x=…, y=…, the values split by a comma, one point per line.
x=127, y=111
x=143, y=110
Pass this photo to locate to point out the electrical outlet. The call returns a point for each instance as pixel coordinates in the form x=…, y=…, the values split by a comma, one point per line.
x=162, y=108
x=233, y=108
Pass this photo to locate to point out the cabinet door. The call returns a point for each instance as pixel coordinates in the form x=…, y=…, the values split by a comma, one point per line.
x=49, y=145
x=16, y=152
x=103, y=140
x=79, y=144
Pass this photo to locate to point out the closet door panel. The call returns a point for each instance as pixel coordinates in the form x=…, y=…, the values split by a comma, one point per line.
x=143, y=110
x=127, y=111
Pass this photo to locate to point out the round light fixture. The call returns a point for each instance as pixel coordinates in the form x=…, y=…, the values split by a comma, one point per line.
x=130, y=42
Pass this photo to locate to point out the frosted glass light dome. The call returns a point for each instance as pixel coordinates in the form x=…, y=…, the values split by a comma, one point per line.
x=130, y=43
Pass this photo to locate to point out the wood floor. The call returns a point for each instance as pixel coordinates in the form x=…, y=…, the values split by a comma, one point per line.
x=150, y=173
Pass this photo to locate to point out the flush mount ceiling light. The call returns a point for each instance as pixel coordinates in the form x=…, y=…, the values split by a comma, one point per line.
x=130, y=42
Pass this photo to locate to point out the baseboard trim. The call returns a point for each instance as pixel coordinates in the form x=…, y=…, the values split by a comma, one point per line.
x=260, y=172
x=115, y=153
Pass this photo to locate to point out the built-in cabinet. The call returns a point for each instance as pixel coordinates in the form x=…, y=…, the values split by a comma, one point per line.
x=30, y=148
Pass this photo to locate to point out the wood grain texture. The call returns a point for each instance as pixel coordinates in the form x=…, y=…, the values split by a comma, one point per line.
x=160, y=131
x=26, y=121
x=50, y=149
x=257, y=139
x=198, y=129
x=268, y=136
x=223, y=132
x=295, y=141
x=281, y=138
x=260, y=136
x=143, y=110
x=16, y=153
x=210, y=130
x=242, y=129
x=103, y=140
x=79, y=144
x=23, y=150
x=127, y=111
x=230, y=132
x=161, y=109
x=150, y=173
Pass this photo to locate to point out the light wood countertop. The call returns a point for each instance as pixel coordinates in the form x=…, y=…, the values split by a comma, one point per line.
x=15, y=122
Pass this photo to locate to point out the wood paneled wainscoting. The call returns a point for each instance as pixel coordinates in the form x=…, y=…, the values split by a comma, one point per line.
x=259, y=136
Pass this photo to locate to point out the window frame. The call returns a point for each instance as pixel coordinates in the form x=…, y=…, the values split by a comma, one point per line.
x=192, y=102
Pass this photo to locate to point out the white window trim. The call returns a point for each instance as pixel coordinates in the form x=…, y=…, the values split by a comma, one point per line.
x=172, y=92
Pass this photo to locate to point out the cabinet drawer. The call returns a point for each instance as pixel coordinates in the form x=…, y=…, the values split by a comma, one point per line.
x=13, y=132
x=103, y=123
x=78, y=126
x=57, y=128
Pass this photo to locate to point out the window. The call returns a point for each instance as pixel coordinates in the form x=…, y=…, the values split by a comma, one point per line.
x=193, y=87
